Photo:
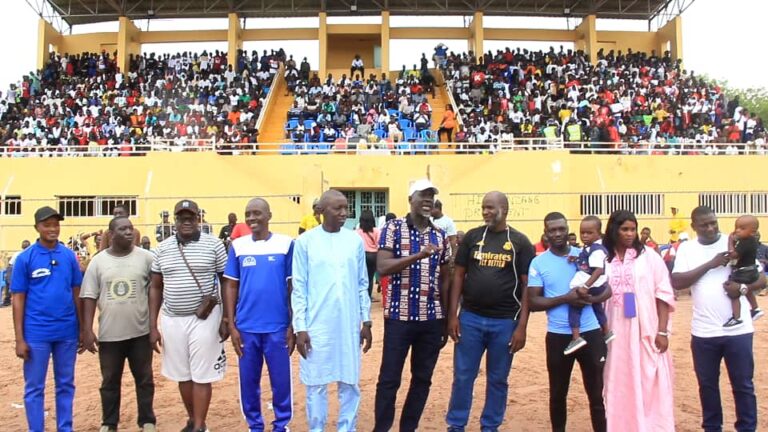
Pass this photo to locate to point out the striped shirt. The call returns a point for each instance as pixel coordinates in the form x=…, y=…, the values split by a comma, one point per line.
x=414, y=293
x=207, y=258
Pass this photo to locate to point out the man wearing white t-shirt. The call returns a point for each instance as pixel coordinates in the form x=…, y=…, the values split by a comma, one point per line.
x=702, y=265
x=446, y=224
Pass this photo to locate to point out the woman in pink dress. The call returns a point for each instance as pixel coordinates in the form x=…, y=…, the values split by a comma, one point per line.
x=370, y=235
x=638, y=372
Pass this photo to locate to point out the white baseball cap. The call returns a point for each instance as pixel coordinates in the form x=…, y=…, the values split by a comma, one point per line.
x=422, y=185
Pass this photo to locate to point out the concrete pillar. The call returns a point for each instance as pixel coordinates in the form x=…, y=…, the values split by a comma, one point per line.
x=322, y=37
x=672, y=32
x=477, y=35
x=385, y=42
x=46, y=36
x=127, y=42
x=234, y=38
x=586, y=36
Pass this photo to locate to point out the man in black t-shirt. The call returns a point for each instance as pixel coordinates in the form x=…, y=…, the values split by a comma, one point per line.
x=490, y=276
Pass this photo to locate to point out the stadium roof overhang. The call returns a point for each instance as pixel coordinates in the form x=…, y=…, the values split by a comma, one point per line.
x=75, y=12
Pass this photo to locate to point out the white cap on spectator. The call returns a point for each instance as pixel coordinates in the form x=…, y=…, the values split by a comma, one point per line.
x=421, y=185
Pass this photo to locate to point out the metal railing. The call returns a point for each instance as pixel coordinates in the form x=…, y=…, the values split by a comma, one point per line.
x=386, y=147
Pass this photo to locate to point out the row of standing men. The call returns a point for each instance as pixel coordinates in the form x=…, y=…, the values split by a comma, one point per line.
x=312, y=294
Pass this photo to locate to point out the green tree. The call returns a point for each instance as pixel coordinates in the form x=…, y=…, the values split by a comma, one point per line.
x=754, y=99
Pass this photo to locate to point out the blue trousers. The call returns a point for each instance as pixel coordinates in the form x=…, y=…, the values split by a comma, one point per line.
x=574, y=313
x=35, y=370
x=272, y=347
x=708, y=353
x=480, y=334
x=317, y=407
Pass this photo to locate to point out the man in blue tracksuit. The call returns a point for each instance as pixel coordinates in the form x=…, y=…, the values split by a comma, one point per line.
x=256, y=303
x=46, y=320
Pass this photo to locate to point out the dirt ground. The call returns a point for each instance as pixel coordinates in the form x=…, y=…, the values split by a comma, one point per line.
x=526, y=409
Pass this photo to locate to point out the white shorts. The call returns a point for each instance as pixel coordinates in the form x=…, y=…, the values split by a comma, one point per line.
x=192, y=350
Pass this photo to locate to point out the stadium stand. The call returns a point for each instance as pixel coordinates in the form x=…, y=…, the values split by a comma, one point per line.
x=631, y=102
x=83, y=103
x=350, y=112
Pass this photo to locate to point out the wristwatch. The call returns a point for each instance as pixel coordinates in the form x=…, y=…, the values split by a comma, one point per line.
x=743, y=289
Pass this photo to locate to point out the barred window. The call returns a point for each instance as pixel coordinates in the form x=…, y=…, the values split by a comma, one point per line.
x=759, y=202
x=89, y=206
x=375, y=201
x=12, y=205
x=351, y=203
x=591, y=204
x=650, y=204
x=725, y=203
x=107, y=204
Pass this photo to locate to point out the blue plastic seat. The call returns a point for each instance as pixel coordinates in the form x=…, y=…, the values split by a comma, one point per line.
x=291, y=124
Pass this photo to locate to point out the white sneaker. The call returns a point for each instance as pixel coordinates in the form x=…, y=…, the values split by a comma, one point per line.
x=106, y=428
x=148, y=427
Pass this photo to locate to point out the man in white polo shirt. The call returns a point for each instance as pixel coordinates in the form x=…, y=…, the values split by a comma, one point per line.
x=702, y=265
x=184, y=275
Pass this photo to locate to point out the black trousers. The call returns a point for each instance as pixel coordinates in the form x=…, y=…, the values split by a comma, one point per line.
x=370, y=265
x=424, y=340
x=112, y=356
x=591, y=360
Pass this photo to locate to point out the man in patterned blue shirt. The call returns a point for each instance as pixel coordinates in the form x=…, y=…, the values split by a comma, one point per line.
x=416, y=255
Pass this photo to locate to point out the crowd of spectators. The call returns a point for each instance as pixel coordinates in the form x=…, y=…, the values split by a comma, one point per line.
x=349, y=112
x=84, y=104
x=631, y=102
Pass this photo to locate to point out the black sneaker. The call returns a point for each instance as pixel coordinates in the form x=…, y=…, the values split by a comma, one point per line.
x=190, y=427
x=757, y=313
x=733, y=323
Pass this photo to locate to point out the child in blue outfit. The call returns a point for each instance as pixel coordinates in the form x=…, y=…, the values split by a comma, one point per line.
x=589, y=280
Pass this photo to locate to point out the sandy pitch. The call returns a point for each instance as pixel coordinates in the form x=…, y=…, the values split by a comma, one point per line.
x=526, y=409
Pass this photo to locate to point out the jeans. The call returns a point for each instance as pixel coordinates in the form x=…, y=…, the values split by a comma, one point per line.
x=112, y=356
x=424, y=340
x=480, y=334
x=258, y=347
x=317, y=407
x=35, y=370
x=708, y=353
x=591, y=360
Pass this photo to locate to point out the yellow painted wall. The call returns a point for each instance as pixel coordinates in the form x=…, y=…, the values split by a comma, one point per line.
x=90, y=42
x=538, y=182
x=342, y=49
x=182, y=36
x=622, y=40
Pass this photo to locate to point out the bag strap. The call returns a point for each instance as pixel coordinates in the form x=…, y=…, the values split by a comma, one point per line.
x=194, y=276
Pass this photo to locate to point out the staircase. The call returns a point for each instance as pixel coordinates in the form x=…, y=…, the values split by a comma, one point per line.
x=272, y=132
x=439, y=102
